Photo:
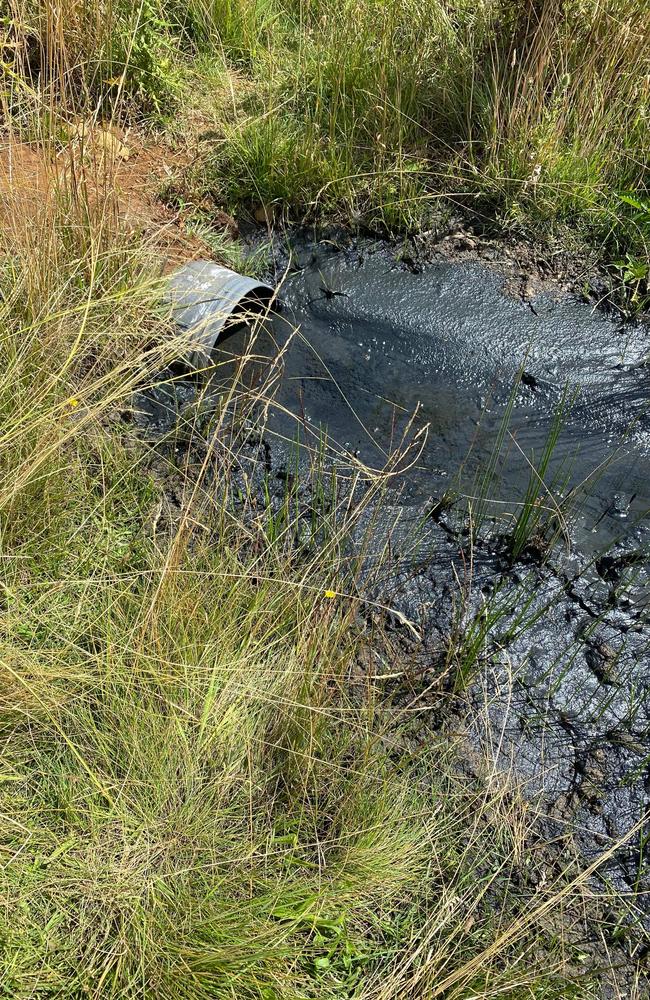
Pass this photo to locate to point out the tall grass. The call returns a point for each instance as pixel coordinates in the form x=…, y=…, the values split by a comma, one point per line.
x=195, y=801
x=377, y=111
x=374, y=111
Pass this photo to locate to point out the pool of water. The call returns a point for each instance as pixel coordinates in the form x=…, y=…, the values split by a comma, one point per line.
x=375, y=343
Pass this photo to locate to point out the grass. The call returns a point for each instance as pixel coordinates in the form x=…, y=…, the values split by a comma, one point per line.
x=389, y=115
x=542, y=516
x=202, y=792
x=372, y=112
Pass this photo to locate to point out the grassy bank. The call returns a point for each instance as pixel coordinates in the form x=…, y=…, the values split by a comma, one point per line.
x=383, y=113
x=203, y=790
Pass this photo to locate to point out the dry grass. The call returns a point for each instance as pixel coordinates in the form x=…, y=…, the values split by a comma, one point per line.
x=195, y=803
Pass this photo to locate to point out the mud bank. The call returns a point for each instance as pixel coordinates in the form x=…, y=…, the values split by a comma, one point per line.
x=558, y=687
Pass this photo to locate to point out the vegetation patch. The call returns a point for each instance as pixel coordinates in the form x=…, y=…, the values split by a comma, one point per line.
x=381, y=113
x=375, y=112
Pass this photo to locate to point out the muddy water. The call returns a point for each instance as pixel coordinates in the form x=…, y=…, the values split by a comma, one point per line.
x=567, y=702
x=566, y=699
x=376, y=341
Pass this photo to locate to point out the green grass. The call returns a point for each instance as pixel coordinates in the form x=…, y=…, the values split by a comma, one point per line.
x=382, y=112
x=371, y=112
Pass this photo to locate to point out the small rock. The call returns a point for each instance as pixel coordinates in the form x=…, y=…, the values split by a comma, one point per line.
x=263, y=214
x=529, y=380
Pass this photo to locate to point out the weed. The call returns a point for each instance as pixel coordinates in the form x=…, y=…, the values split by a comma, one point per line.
x=542, y=518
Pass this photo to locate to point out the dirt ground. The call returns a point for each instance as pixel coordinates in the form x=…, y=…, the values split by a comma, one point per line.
x=121, y=172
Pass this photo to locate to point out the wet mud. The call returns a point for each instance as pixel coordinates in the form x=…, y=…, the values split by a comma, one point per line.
x=560, y=690
x=377, y=340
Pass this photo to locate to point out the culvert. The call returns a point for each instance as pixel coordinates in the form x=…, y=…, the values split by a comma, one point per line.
x=208, y=300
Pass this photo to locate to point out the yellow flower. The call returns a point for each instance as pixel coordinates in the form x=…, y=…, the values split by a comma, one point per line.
x=73, y=403
x=330, y=593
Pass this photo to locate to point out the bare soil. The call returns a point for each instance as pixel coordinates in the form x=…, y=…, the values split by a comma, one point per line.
x=123, y=170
